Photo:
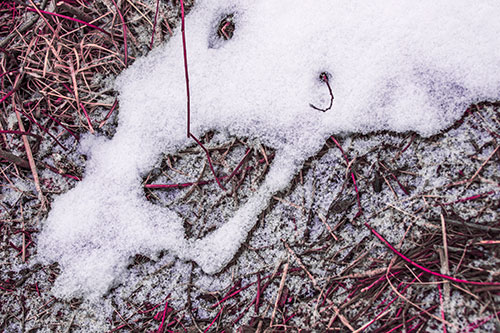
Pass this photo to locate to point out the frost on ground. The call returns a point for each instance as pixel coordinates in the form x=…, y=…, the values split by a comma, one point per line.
x=405, y=183
x=393, y=65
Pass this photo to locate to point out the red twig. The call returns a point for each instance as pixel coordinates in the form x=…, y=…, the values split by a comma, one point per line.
x=186, y=73
x=189, y=134
x=402, y=256
x=124, y=27
x=474, y=197
x=209, y=160
x=59, y=123
x=360, y=210
x=91, y=128
x=442, y=307
x=9, y=72
x=399, y=183
x=324, y=77
x=43, y=129
x=235, y=171
x=68, y=18
x=8, y=95
x=479, y=323
x=109, y=113
x=217, y=316
x=9, y=290
x=231, y=294
x=389, y=303
x=55, y=170
x=154, y=24
x=258, y=282
x=244, y=311
x=413, y=318
x=223, y=30
x=148, y=310
x=38, y=137
x=204, y=182
x=160, y=329
x=257, y=298
x=408, y=145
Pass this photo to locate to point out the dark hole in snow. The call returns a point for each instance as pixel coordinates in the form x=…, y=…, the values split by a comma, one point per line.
x=325, y=76
x=226, y=27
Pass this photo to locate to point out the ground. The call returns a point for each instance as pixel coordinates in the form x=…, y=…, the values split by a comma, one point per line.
x=326, y=254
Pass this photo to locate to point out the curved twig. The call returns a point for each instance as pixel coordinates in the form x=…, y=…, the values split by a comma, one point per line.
x=324, y=77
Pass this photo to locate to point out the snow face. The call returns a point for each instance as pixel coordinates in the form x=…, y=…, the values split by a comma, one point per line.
x=396, y=65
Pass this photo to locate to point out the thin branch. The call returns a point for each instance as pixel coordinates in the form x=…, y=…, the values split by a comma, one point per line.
x=402, y=256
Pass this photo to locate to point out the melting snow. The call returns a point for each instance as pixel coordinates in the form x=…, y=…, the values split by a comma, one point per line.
x=397, y=65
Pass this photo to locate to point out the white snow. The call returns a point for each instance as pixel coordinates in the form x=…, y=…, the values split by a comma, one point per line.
x=398, y=65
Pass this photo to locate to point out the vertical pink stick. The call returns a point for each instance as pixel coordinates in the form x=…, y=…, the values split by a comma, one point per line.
x=184, y=48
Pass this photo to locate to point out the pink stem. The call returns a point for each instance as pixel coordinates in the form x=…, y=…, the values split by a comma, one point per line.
x=209, y=160
x=360, y=211
x=389, y=304
x=402, y=256
x=477, y=196
x=179, y=185
x=154, y=25
x=204, y=182
x=186, y=73
x=68, y=18
x=244, y=311
x=38, y=137
x=57, y=121
x=149, y=310
x=409, y=143
x=412, y=318
x=258, y=282
x=477, y=324
x=43, y=129
x=232, y=294
x=235, y=171
x=189, y=134
x=124, y=27
x=55, y=170
x=9, y=72
x=400, y=185
x=218, y=313
x=257, y=298
x=7, y=95
x=340, y=148
x=324, y=78
x=87, y=116
x=109, y=113
x=442, y=307
x=160, y=329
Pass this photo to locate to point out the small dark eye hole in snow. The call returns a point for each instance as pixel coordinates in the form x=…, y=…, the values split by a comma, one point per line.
x=226, y=27
x=223, y=29
x=326, y=78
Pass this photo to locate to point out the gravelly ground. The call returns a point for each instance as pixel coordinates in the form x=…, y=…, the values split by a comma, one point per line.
x=310, y=262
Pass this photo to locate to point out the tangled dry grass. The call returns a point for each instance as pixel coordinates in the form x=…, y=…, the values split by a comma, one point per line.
x=311, y=263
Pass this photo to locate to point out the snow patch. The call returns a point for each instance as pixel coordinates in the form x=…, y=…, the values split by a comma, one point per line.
x=396, y=65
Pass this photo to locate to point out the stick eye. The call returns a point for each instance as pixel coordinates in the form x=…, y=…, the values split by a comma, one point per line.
x=226, y=27
x=324, y=76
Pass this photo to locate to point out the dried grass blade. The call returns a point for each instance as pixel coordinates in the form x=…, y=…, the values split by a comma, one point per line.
x=402, y=256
